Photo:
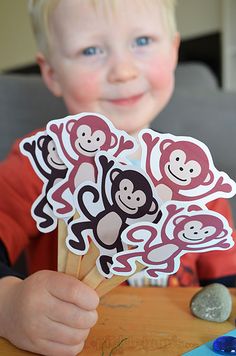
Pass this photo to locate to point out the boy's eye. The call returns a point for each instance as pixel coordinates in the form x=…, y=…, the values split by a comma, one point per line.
x=91, y=51
x=142, y=41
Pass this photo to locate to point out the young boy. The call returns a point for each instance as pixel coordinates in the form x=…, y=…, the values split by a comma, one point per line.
x=117, y=58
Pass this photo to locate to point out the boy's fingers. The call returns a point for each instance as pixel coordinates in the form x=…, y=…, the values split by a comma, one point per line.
x=72, y=315
x=71, y=290
x=53, y=348
x=60, y=333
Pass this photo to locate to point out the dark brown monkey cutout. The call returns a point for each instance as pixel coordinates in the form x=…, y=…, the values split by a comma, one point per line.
x=41, y=151
x=124, y=193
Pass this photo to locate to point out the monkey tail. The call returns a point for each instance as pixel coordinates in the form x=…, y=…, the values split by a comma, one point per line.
x=91, y=189
x=130, y=237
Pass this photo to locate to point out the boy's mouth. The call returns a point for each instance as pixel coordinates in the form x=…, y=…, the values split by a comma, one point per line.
x=127, y=101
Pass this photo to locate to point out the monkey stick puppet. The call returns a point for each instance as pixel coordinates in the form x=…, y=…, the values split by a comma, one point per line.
x=121, y=218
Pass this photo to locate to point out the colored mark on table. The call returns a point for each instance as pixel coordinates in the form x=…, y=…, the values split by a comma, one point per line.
x=207, y=349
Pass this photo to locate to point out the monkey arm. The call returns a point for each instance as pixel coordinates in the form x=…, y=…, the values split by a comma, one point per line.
x=150, y=143
x=58, y=130
x=222, y=244
x=158, y=217
x=106, y=166
x=31, y=148
x=123, y=146
x=172, y=211
x=219, y=187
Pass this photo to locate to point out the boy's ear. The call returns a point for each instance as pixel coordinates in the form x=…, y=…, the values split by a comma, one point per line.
x=48, y=74
x=175, y=48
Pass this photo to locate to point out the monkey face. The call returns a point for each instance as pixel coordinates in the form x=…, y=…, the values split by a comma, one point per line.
x=128, y=199
x=195, y=231
x=53, y=159
x=88, y=142
x=179, y=170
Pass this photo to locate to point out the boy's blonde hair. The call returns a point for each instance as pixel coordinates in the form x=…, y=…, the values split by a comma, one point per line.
x=40, y=11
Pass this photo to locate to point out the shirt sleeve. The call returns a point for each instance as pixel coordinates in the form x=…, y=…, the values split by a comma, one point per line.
x=19, y=187
x=219, y=266
x=5, y=268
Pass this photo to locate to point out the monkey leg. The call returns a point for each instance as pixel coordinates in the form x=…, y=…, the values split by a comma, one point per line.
x=123, y=260
x=39, y=211
x=57, y=197
x=105, y=263
x=153, y=272
x=77, y=228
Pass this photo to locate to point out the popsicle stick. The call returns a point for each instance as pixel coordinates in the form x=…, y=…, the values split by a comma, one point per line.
x=108, y=284
x=88, y=260
x=62, y=249
x=93, y=278
x=73, y=264
x=73, y=261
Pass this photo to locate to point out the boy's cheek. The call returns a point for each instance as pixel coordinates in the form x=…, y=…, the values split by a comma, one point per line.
x=161, y=74
x=84, y=89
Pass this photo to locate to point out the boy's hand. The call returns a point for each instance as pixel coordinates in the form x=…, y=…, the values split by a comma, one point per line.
x=49, y=313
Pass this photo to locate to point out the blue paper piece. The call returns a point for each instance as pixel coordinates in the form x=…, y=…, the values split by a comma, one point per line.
x=207, y=349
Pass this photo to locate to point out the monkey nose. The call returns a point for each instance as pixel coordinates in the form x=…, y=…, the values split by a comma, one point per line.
x=89, y=141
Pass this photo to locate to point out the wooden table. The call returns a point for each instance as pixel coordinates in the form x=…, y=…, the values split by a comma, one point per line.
x=150, y=321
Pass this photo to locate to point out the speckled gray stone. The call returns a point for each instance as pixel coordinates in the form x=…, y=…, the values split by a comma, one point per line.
x=212, y=303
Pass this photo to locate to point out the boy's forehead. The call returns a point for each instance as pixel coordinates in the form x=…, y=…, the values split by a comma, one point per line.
x=86, y=12
x=107, y=7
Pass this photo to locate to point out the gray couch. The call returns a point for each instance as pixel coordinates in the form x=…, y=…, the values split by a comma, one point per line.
x=198, y=109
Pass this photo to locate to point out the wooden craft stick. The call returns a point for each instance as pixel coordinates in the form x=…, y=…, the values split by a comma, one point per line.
x=93, y=278
x=73, y=264
x=108, y=284
x=62, y=249
x=88, y=260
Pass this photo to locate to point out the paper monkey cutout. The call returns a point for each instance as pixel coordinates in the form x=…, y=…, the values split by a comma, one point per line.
x=41, y=151
x=123, y=192
x=78, y=138
x=159, y=247
x=183, y=168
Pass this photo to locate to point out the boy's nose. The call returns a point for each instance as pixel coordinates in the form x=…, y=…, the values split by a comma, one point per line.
x=122, y=70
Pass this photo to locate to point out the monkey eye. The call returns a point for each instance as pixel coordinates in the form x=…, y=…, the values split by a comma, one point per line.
x=138, y=199
x=177, y=158
x=83, y=134
x=54, y=148
x=98, y=139
x=206, y=232
x=125, y=188
x=191, y=170
x=192, y=227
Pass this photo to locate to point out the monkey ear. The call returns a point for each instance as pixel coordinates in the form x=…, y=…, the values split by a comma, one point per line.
x=40, y=142
x=70, y=125
x=114, y=173
x=154, y=207
x=114, y=140
x=194, y=207
x=178, y=220
x=165, y=144
x=222, y=234
x=209, y=178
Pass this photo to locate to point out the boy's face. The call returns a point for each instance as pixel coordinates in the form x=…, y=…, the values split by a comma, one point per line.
x=116, y=61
